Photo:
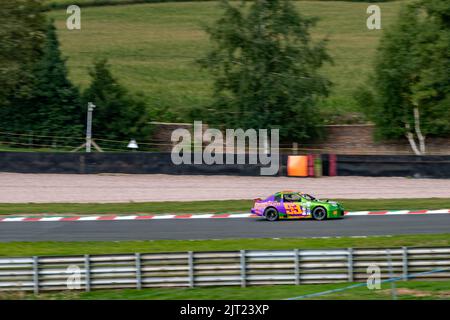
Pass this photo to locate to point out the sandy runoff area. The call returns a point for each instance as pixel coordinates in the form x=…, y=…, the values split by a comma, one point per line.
x=45, y=188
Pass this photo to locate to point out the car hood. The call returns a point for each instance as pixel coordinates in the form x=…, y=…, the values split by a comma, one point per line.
x=334, y=203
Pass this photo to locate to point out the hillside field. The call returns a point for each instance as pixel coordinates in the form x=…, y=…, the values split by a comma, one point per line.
x=153, y=47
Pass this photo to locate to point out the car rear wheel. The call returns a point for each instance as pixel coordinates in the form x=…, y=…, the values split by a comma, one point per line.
x=271, y=214
x=319, y=213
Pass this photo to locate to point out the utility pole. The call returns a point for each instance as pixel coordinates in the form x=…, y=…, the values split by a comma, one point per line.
x=89, y=141
x=91, y=107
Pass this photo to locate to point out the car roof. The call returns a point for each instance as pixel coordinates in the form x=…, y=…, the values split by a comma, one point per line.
x=288, y=192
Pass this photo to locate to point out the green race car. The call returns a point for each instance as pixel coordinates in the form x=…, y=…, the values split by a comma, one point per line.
x=293, y=205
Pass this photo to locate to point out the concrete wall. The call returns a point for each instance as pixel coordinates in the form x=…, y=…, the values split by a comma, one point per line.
x=358, y=139
x=340, y=139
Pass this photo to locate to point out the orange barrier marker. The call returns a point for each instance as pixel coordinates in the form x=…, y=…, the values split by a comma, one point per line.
x=297, y=166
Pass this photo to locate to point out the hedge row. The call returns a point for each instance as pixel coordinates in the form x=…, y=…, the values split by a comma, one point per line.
x=62, y=4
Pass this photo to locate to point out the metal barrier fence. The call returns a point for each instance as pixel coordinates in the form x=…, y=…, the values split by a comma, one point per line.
x=235, y=268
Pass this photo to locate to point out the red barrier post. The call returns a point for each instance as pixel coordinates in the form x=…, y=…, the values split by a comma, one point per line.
x=310, y=165
x=332, y=166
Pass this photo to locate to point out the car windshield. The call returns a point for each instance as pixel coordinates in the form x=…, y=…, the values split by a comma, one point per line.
x=309, y=197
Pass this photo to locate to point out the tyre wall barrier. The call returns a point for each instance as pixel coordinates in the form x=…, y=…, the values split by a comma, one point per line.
x=161, y=163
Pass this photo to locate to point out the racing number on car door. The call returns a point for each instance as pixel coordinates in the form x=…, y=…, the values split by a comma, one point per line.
x=292, y=208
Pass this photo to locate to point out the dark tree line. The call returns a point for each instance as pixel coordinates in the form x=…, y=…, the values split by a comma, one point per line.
x=266, y=75
x=36, y=94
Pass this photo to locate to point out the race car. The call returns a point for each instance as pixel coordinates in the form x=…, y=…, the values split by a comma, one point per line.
x=293, y=205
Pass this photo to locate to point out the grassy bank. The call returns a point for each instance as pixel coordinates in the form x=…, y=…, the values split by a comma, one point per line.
x=152, y=49
x=405, y=291
x=112, y=247
x=207, y=206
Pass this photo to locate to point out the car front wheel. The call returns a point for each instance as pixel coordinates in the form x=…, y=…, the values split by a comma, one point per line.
x=271, y=214
x=319, y=213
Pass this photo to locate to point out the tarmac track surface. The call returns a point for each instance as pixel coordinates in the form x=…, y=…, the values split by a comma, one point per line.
x=190, y=229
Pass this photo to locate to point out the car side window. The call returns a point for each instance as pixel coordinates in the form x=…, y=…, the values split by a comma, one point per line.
x=291, y=198
x=278, y=198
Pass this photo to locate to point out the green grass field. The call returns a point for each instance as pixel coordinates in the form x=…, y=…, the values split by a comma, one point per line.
x=206, y=206
x=152, y=49
x=410, y=290
x=10, y=249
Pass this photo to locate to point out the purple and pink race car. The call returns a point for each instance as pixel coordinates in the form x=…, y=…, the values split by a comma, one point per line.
x=293, y=205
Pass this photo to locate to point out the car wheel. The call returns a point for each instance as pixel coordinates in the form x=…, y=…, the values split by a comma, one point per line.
x=319, y=213
x=271, y=214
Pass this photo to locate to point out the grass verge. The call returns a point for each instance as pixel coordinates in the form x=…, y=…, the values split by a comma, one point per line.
x=207, y=206
x=113, y=247
x=411, y=290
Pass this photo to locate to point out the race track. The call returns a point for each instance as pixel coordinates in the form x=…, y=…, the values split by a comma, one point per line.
x=190, y=229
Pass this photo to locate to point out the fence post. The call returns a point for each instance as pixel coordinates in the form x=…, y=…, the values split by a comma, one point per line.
x=297, y=267
x=405, y=263
x=350, y=264
x=295, y=148
x=87, y=273
x=191, y=269
x=243, y=269
x=36, y=274
x=138, y=271
x=391, y=275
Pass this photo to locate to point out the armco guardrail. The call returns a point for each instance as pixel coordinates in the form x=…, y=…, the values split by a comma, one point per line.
x=238, y=268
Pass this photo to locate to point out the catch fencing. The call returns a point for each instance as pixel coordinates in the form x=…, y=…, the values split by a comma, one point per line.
x=228, y=268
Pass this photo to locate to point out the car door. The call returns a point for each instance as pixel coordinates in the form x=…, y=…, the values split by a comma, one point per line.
x=306, y=207
x=293, y=206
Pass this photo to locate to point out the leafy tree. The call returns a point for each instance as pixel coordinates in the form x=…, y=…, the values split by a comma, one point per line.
x=22, y=34
x=409, y=93
x=266, y=69
x=118, y=114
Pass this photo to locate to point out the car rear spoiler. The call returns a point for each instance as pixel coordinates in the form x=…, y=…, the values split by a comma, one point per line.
x=257, y=199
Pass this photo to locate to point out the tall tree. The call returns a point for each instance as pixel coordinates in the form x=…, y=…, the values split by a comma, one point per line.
x=409, y=94
x=266, y=69
x=56, y=102
x=22, y=34
x=118, y=114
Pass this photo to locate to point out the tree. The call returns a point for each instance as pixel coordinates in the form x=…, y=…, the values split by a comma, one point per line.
x=22, y=35
x=118, y=114
x=266, y=69
x=56, y=102
x=409, y=92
